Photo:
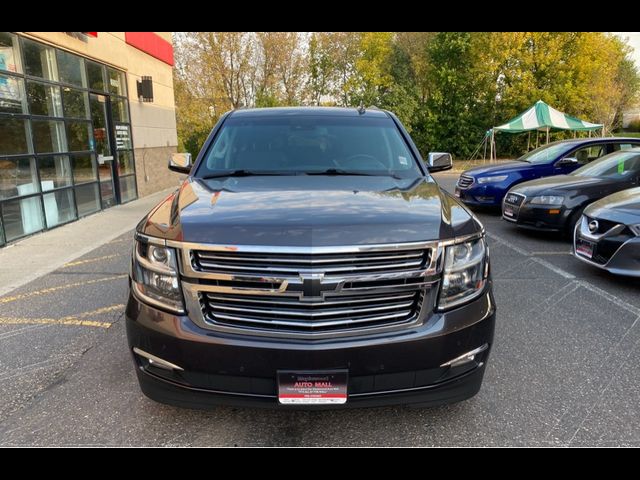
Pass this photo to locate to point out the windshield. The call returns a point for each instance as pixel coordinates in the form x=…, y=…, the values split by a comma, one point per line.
x=546, y=153
x=615, y=165
x=310, y=144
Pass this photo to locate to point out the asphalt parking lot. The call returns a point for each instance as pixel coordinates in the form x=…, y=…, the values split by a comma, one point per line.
x=564, y=368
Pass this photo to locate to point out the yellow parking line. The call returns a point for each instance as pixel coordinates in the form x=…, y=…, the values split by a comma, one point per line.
x=53, y=321
x=56, y=289
x=89, y=260
x=77, y=320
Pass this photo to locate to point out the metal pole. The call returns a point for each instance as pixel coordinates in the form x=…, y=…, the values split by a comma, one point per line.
x=528, y=140
x=491, y=147
x=537, y=138
x=547, y=134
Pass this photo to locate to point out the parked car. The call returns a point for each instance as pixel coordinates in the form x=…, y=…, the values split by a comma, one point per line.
x=486, y=186
x=608, y=235
x=310, y=259
x=557, y=203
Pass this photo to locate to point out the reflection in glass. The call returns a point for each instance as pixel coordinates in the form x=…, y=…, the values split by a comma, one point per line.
x=13, y=136
x=17, y=177
x=87, y=199
x=119, y=110
x=116, y=82
x=9, y=53
x=125, y=163
x=127, y=188
x=76, y=104
x=70, y=69
x=11, y=95
x=55, y=172
x=99, y=116
x=107, y=191
x=21, y=217
x=79, y=134
x=49, y=136
x=39, y=60
x=95, y=75
x=84, y=168
x=58, y=207
x=44, y=99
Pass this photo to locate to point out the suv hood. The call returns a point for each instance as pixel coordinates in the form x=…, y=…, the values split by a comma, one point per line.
x=308, y=211
x=499, y=169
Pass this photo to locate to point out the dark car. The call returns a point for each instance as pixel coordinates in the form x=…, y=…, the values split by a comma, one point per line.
x=486, y=186
x=608, y=235
x=310, y=259
x=556, y=203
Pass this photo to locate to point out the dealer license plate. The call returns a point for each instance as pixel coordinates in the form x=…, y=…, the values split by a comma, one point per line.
x=584, y=248
x=312, y=388
x=457, y=192
x=509, y=212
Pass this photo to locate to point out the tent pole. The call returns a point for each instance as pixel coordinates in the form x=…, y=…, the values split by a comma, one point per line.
x=536, y=138
x=547, y=134
x=491, y=147
x=484, y=155
x=528, y=140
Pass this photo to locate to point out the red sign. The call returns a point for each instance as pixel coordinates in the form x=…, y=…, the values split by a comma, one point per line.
x=151, y=43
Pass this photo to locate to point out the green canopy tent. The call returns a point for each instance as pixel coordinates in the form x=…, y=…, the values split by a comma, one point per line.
x=540, y=118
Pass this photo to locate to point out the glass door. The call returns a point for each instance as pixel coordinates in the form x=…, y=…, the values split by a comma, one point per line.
x=103, y=135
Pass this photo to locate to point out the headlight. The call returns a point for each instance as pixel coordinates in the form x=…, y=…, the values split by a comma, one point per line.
x=635, y=229
x=465, y=272
x=155, y=276
x=547, y=200
x=495, y=179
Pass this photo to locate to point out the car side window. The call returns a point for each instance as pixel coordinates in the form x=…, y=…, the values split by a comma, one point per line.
x=588, y=154
x=623, y=146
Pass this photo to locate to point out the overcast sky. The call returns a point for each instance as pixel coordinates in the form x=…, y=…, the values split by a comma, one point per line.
x=634, y=41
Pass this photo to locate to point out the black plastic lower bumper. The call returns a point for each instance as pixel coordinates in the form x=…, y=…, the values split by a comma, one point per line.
x=401, y=367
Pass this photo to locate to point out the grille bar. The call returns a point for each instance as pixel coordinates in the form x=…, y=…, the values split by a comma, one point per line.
x=294, y=300
x=465, y=181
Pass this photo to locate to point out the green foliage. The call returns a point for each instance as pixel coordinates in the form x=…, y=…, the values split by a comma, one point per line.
x=448, y=88
x=634, y=126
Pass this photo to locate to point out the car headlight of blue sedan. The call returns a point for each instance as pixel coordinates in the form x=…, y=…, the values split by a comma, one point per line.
x=493, y=179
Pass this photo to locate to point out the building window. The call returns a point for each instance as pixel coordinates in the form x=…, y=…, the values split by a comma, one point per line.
x=9, y=53
x=71, y=69
x=65, y=137
x=12, y=98
x=44, y=99
x=39, y=60
x=48, y=136
x=76, y=104
x=95, y=74
x=14, y=133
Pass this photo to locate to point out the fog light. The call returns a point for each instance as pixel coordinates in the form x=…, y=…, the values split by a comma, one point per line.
x=156, y=361
x=465, y=357
x=555, y=211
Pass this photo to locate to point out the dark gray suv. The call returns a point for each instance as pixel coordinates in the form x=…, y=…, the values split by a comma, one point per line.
x=310, y=260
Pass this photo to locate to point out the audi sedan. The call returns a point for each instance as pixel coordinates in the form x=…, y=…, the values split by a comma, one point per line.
x=556, y=203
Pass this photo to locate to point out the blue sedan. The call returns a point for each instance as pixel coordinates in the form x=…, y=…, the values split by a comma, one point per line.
x=486, y=186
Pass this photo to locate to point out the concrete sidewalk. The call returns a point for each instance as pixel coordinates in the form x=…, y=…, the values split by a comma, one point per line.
x=40, y=254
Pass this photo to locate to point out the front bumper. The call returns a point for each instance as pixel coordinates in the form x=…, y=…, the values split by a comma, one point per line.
x=617, y=254
x=400, y=367
x=537, y=217
x=489, y=195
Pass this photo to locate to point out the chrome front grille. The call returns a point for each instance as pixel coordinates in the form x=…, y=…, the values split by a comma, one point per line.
x=310, y=292
x=465, y=181
x=277, y=264
x=335, y=312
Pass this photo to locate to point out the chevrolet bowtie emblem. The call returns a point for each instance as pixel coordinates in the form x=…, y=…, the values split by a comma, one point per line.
x=312, y=285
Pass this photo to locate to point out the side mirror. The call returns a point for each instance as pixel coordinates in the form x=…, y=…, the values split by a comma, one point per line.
x=567, y=161
x=180, y=162
x=439, y=161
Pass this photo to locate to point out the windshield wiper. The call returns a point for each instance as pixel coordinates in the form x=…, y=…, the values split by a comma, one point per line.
x=340, y=171
x=242, y=173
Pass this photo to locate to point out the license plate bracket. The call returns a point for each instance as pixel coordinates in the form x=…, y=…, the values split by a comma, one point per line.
x=585, y=248
x=317, y=387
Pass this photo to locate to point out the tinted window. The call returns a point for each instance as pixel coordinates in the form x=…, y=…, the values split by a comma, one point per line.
x=588, y=154
x=546, y=153
x=615, y=165
x=311, y=144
